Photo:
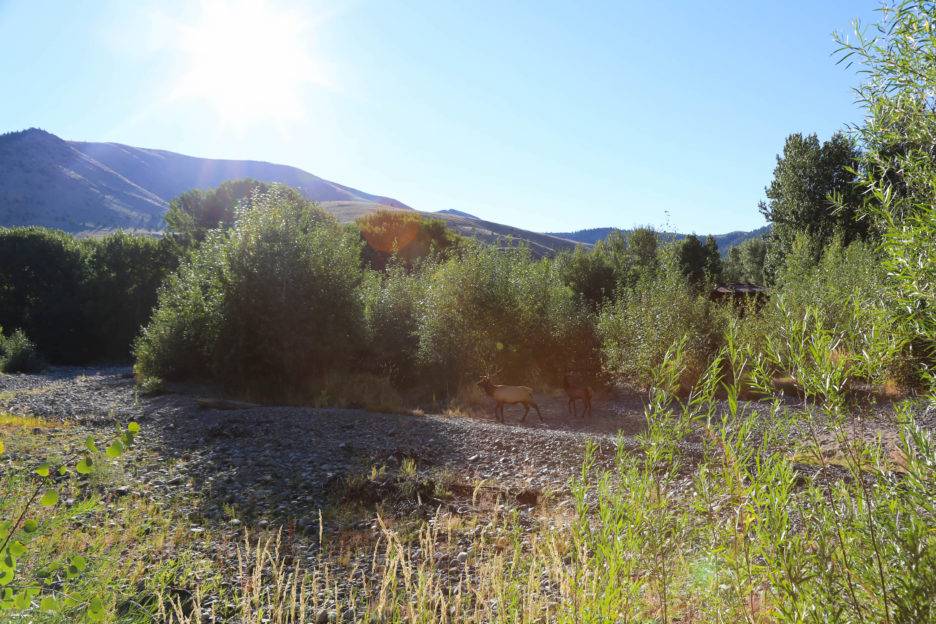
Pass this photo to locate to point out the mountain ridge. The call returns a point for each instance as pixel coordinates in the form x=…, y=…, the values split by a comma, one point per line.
x=725, y=241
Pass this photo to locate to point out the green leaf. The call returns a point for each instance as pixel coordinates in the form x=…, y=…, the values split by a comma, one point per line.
x=17, y=549
x=30, y=526
x=63, y=470
x=133, y=427
x=79, y=563
x=95, y=611
x=49, y=604
x=49, y=498
x=115, y=449
x=21, y=601
x=85, y=466
x=89, y=444
x=43, y=470
x=5, y=527
x=7, y=574
x=2, y=447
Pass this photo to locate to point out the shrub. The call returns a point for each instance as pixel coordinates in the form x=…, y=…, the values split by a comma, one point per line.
x=406, y=236
x=124, y=273
x=266, y=308
x=498, y=310
x=175, y=343
x=194, y=213
x=638, y=329
x=41, y=291
x=18, y=354
x=394, y=302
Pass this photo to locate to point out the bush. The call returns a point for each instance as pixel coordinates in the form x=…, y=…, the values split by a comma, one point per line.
x=266, y=308
x=499, y=311
x=639, y=328
x=124, y=273
x=41, y=291
x=405, y=236
x=82, y=301
x=394, y=303
x=18, y=354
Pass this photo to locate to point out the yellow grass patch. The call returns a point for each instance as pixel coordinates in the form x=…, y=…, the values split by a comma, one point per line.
x=14, y=421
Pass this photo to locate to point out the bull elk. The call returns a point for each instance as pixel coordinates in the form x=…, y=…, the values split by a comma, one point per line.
x=575, y=393
x=509, y=395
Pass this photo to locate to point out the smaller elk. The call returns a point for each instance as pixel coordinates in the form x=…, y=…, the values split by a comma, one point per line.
x=509, y=394
x=577, y=392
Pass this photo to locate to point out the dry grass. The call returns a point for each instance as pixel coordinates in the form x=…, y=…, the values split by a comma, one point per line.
x=16, y=421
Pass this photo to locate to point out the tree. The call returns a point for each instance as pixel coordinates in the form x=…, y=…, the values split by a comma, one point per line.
x=813, y=191
x=898, y=167
x=713, y=262
x=193, y=213
x=406, y=235
x=745, y=262
x=697, y=261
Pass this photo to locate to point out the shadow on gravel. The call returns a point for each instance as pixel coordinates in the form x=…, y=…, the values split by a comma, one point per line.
x=282, y=465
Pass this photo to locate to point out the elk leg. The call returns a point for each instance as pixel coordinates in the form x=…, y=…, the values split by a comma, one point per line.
x=588, y=403
x=526, y=410
x=572, y=408
x=538, y=413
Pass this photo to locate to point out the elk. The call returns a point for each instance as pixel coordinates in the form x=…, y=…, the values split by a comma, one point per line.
x=575, y=393
x=509, y=394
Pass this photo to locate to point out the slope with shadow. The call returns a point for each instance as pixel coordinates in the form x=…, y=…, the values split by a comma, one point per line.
x=82, y=187
x=168, y=174
x=47, y=181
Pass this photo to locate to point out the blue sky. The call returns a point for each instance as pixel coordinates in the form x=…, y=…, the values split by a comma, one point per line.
x=548, y=116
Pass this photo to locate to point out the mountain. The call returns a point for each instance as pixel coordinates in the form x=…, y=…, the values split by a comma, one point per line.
x=457, y=213
x=725, y=241
x=83, y=187
x=78, y=186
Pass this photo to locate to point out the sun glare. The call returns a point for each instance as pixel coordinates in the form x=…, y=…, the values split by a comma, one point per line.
x=248, y=60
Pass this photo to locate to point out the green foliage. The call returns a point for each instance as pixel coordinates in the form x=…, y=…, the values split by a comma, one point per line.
x=638, y=328
x=84, y=300
x=18, y=354
x=898, y=170
x=500, y=311
x=123, y=275
x=41, y=291
x=405, y=236
x=266, y=307
x=700, y=263
x=808, y=177
x=394, y=302
x=745, y=262
x=613, y=263
x=192, y=214
x=54, y=584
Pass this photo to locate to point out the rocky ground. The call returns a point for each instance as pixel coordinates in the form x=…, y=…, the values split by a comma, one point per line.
x=266, y=466
x=286, y=458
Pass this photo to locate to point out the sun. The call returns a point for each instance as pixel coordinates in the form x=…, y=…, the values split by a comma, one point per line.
x=248, y=60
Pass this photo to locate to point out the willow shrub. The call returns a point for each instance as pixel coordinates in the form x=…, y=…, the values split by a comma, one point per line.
x=499, y=311
x=268, y=307
x=638, y=328
x=394, y=301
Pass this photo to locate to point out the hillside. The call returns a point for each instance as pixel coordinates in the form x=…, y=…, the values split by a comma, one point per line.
x=78, y=186
x=725, y=241
x=83, y=187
